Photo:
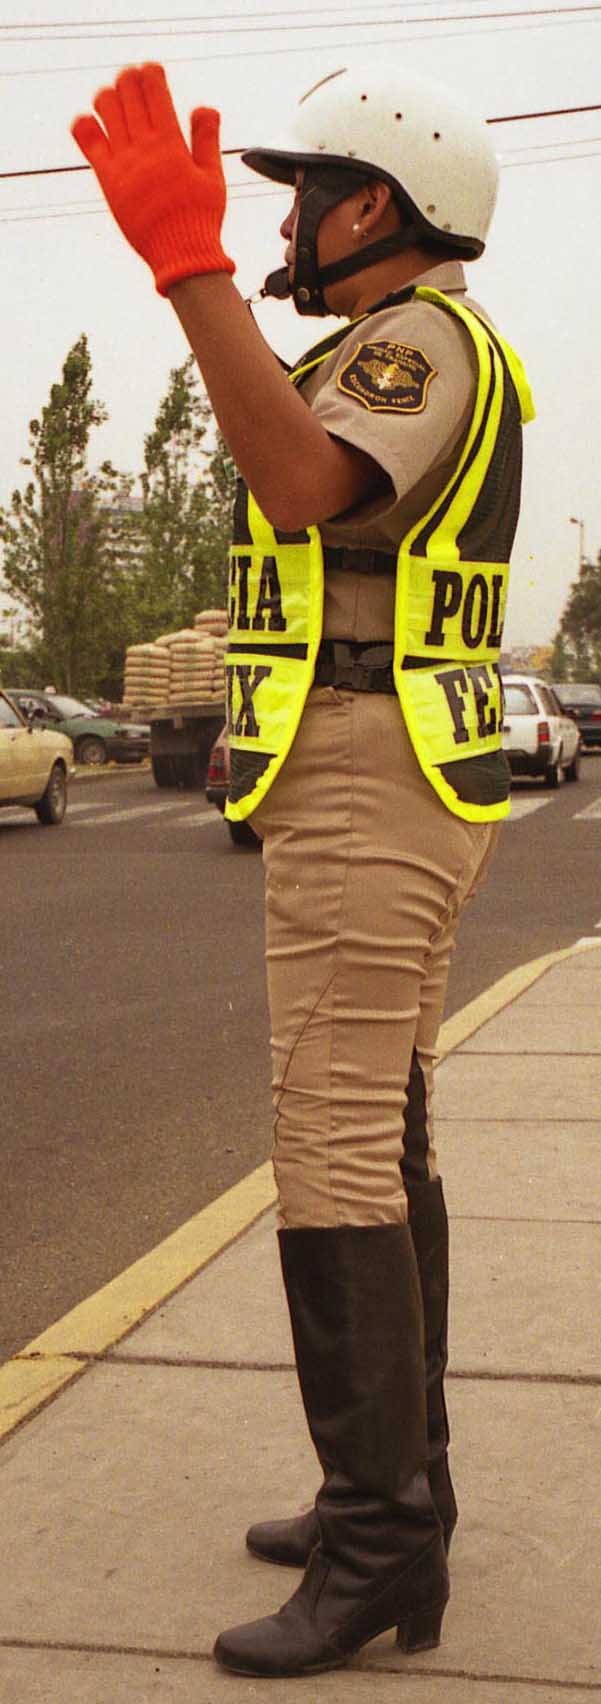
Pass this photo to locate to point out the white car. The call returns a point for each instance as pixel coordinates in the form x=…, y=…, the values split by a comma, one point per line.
x=538, y=737
x=35, y=764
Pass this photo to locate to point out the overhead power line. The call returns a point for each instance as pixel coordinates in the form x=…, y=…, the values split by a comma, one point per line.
x=551, y=112
x=151, y=34
x=246, y=192
x=592, y=154
x=23, y=217
x=223, y=17
x=562, y=22
x=507, y=118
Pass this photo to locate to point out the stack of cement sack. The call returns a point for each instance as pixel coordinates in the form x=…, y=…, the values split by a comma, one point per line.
x=196, y=668
x=186, y=667
x=147, y=669
x=212, y=624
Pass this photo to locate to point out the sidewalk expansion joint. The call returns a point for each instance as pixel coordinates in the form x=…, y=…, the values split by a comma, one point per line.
x=526, y=1053
x=116, y=1358
x=515, y=1219
x=168, y=1654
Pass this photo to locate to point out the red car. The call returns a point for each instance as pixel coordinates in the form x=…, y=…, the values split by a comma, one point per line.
x=218, y=775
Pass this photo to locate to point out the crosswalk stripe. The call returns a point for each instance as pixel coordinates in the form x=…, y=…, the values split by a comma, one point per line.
x=590, y=811
x=201, y=819
x=524, y=807
x=128, y=815
x=22, y=816
x=99, y=806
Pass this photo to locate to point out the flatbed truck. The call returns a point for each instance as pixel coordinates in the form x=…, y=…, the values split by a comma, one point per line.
x=181, y=737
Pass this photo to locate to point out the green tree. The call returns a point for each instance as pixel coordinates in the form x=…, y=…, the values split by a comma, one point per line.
x=577, y=647
x=210, y=561
x=65, y=544
x=560, y=662
x=184, y=529
x=20, y=663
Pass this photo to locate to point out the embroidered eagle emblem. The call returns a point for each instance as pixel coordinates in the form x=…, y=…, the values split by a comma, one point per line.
x=392, y=377
x=387, y=377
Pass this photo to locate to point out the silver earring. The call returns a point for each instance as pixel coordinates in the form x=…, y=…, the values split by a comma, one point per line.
x=356, y=229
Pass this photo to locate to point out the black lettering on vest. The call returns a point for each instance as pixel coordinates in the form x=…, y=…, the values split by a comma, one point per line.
x=496, y=631
x=270, y=598
x=482, y=684
x=473, y=636
x=239, y=568
x=454, y=684
x=247, y=726
x=447, y=600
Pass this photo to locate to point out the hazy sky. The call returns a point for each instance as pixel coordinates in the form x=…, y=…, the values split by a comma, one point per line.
x=66, y=268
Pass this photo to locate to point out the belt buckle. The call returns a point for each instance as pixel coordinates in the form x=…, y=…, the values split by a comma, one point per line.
x=348, y=670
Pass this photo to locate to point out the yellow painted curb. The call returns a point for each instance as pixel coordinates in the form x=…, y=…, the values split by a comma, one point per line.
x=26, y=1386
x=456, y=1030
x=51, y=1360
x=62, y=1352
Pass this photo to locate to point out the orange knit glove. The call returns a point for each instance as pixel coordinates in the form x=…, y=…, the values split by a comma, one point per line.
x=168, y=201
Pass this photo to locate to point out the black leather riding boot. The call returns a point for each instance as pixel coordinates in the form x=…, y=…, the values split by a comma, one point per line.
x=430, y=1231
x=356, y=1314
x=290, y=1542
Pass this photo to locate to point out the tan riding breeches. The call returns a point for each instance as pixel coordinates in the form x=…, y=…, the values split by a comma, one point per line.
x=366, y=872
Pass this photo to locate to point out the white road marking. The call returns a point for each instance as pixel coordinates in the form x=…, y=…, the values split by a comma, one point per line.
x=127, y=815
x=201, y=819
x=20, y=814
x=99, y=806
x=198, y=819
x=524, y=807
x=590, y=811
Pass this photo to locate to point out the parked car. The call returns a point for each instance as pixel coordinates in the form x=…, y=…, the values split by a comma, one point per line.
x=96, y=739
x=218, y=775
x=35, y=764
x=582, y=700
x=539, y=738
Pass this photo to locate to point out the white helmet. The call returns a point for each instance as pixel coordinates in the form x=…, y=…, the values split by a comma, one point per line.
x=407, y=130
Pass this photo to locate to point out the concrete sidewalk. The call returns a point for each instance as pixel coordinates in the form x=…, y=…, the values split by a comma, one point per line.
x=124, y=1501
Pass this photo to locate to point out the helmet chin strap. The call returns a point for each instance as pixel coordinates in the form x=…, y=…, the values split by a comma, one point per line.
x=325, y=187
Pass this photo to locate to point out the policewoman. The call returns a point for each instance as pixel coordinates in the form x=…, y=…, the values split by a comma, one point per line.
x=378, y=501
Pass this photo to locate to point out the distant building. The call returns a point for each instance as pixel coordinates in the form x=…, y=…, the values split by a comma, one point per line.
x=531, y=659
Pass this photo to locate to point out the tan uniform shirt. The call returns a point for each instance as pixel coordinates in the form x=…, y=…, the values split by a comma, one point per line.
x=417, y=451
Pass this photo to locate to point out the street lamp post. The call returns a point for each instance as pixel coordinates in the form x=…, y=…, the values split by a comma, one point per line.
x=576, y=522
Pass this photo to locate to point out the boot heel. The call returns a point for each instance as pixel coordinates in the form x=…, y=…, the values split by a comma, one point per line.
x=420, y=1630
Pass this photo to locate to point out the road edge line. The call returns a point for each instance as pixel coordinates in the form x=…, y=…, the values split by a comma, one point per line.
x=39, y=1372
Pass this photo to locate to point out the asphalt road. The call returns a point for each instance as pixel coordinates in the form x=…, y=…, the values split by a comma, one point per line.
x=132, y=957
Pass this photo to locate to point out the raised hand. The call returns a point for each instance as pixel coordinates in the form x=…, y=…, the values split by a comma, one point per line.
x=168, y=200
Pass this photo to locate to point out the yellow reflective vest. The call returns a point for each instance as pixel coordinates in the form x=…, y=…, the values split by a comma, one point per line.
x=451, y=587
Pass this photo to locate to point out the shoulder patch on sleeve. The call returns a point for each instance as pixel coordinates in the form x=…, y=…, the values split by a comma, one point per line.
x=387, y=378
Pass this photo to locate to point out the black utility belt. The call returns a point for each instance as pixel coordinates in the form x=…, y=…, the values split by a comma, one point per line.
x=360, y=665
